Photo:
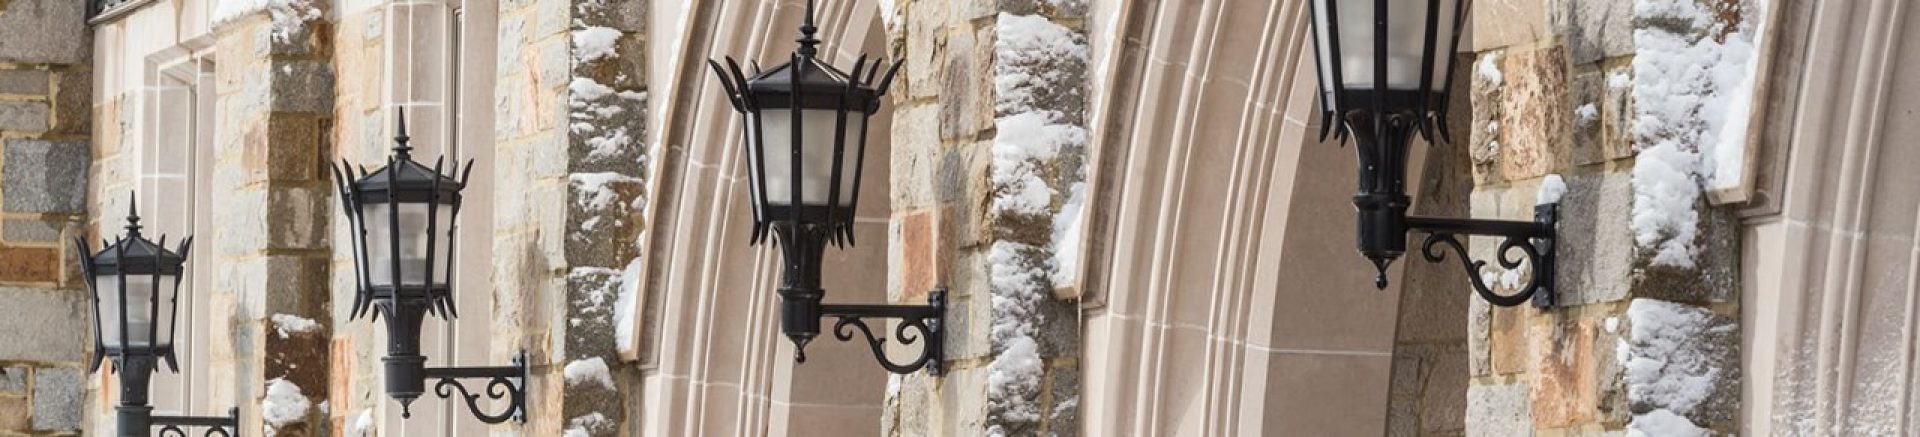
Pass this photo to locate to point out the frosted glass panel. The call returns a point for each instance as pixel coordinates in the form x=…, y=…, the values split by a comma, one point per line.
x=413, y=245
x=816, y=156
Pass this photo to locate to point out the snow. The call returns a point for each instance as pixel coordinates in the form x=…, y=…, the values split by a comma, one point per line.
x=1025, y=40
x=1663, y=423
x=1029, y=181
x=1015, y=375
x=1585, y=115
x=1552, y=188
x=1692, y=92
x=888, y=15
x=586, y=424
x=363, y=425
x=287, y=325
x=587, y=370
x=1067, y=227
x=289, y=16
x=1489, y=69
x=594, y=43
x=594, y=189
x=625, y=304
x=1668, y=369
x=282, y=405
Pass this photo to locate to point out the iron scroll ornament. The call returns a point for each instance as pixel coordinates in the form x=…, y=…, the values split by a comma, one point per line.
x=923, y=319
x=1533, y=241
x=503, y=382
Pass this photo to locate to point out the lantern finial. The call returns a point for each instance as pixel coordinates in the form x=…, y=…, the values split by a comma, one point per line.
x=400, y=147
x=133, y=214
x=807, y=30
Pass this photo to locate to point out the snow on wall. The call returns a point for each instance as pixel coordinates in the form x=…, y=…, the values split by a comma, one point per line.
x=283, y=404
x=1026, y=180
x=589, y=370
x=1692, y=79
x=289, y=16
x=287, y=324
x=1672, y=363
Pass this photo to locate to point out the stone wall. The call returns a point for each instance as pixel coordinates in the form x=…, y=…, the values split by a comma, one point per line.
x=275, y=92
x=989, y=141
x=45, y=163
x=570, y=114
x=1643, y=338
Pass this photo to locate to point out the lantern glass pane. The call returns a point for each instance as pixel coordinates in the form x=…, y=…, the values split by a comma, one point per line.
x=1406, y=42
x=817, y=131
x=412, y=233
x=139, y=305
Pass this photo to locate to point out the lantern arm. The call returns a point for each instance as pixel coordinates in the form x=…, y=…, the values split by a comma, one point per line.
x=1535, y=241
x=502, y=382
x=926, y=320
x=224, y=426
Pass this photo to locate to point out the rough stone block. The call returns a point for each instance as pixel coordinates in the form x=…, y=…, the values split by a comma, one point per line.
x=1617, y=113
x=302, y=86
x=1508, y=350
x=1672, y=347
x=966, y=87
x=73, y=101
x=44, y=32
x=20, y=116
x=1508, y=23
x=1594, y=29
x=30, y=231
x=1588, y=90
x=1479, y=337
x=46, y=325
x=1494, y=409
x=922, y=249
x=1563, y=384
x=293, y=148
x=1596, y=247
x=1535, y=129
x=13, y=413
x=57, y=393
x=14, y=381
x=1443, y=401
x=45, y=176
x=1063, y=411
x=29, y=264
x=27, y=82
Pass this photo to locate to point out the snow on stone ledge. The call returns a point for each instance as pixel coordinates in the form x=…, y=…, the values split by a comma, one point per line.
x=287, y=324
x=1692, y=80
x=283, y=405
x=289, y=16
x=1676, y=358
x=1552, y=188
x=589, y=370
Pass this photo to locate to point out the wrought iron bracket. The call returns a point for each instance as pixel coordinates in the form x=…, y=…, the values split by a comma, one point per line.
x=927, y=319
x=1534, y=240
x=503, y=382
x=175, y=426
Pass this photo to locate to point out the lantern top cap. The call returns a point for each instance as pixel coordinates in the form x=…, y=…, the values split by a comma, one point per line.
x=134, y=248
x=816, y=79
x=403, y=174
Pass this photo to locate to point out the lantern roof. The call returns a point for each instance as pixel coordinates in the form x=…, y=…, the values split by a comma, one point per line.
x=819, y=84
x=404, y=175
x=135, y=250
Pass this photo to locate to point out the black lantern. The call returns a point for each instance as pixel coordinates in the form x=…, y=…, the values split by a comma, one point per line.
x=402, y=219
x=1386, y=71
x=804, y=136
x=135, y=284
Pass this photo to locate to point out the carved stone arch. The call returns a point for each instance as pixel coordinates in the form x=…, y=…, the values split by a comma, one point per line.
x=1226, y=297
x=712, y=358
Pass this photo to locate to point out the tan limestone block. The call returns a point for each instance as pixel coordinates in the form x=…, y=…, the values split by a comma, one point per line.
x=29, y=264
x=1535, y=126
x=1498, y=24
x=1563, y=391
